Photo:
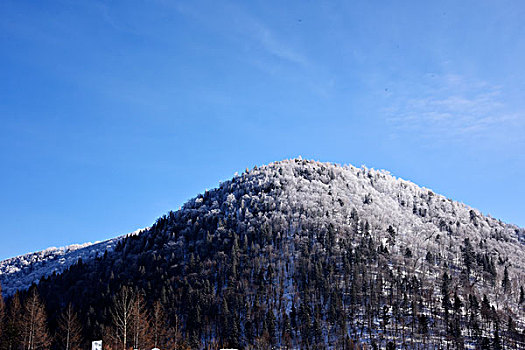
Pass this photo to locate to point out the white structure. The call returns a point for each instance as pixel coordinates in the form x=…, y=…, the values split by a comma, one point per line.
x=96, y=345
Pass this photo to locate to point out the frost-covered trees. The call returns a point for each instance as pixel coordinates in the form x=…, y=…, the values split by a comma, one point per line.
x=290, y=254
x=20, y=272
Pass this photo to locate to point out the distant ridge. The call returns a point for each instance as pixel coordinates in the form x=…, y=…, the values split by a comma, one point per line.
x=20, y=272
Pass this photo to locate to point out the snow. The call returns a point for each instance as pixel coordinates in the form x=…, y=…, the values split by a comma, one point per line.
x=22, y=271
x=292, y=194
x=299, y=193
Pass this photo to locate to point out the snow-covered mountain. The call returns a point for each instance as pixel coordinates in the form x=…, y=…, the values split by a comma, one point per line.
x=20, y=272
x=304, y=254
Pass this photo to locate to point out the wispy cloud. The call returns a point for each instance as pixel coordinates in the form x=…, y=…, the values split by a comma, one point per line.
x=242, y=24
x=274, y=46
x=452, y=106
x=263, y=45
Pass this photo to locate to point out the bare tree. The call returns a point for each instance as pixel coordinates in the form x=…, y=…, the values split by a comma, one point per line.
x=12, y=330
x=34, y=324
x=121, y=314
x=159, y=324
x=140, y=323
x=69, y=329
x=174, y=337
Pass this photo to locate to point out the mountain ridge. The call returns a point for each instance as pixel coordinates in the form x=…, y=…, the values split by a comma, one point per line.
x=323, y=239
x=20, y=272
x=10, y=266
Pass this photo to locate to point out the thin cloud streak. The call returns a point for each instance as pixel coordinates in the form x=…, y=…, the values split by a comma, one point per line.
x=245, y=25
x=274, y=46
x=265, y=48
x=452, y=106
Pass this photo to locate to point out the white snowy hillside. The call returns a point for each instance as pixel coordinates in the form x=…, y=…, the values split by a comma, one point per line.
x=318, y=194
x=424, y=221
x=20, y=272
x=305, y=254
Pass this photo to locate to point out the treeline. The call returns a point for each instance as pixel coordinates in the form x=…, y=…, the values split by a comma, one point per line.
x=320, y=289
x=25, y=325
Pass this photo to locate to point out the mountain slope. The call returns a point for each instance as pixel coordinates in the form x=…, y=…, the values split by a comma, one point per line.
x=307, y=254
x=20, y=272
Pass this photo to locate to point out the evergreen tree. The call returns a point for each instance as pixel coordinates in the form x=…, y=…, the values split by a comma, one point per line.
x=446, y=303
x=305, y=315
x=225, y=315
x=293, y=316
x=486, y=310
x=468, y=255
x=496, y=341
x=391, y=238
x=505, y=283
x=511, y=329
x=270, y=326
x=286, y=330
x=423, y=324
x=2, y=313
x=473, y=318
x=456, y=324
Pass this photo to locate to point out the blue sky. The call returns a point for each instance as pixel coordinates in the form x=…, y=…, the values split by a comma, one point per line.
x=113, y=113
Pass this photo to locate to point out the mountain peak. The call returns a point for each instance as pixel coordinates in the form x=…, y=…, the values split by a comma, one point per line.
x=321, y=238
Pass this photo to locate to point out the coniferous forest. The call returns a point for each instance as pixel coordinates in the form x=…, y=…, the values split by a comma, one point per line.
x=296, y=254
